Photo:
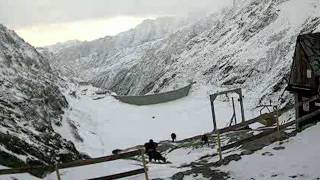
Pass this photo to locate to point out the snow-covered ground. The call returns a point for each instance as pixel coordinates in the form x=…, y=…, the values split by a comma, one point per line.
x=23, y=176
x=300, y=159
x=107, y=124
x=177, y=158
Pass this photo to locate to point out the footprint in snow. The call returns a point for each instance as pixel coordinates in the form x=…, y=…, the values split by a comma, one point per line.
x=279, y=148
x=267, y=154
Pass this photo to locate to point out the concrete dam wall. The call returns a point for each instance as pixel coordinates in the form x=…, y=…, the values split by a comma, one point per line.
x=155, y=98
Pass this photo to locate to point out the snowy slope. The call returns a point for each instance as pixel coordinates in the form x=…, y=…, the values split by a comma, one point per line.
x=106, y=124
x=298, y=158
x=30, y=101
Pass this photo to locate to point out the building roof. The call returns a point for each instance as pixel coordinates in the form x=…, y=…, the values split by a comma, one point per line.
x=310, y=43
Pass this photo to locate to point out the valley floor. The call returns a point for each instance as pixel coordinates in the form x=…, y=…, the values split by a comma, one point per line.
x=105, y=124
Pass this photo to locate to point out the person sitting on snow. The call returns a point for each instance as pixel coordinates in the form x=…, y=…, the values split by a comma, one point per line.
x=151, y=148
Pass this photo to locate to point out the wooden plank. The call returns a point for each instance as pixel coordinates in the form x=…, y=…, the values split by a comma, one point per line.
x=120, y=175
x=239, y=126
x=228, y=91
x=245, y=140
x=258, y=136
x=99, y=159
x=27, y=169
x=76, y=163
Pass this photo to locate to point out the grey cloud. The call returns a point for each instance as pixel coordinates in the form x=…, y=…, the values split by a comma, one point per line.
x=19, y=13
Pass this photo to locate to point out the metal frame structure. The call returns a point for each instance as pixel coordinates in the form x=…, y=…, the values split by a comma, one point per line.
x=215, y=95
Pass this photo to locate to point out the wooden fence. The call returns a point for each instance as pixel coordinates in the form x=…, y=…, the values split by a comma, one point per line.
x=257, y=119
x=264, y=133
x=77, y=163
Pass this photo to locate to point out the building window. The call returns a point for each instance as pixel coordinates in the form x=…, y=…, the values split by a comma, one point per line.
x=309, y=73
x=305, y=105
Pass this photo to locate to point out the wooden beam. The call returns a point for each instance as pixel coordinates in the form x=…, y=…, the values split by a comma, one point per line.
x=76, y=163
x=99, y=159
x=228, y=91
x=240, y=125
x=120, y=175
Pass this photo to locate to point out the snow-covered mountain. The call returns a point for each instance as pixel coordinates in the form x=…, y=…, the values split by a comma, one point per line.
x=60, y=46
x=31, y=103
x=73, y=60
x=249, y=46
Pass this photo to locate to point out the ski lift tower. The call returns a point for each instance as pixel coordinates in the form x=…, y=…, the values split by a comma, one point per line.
x=213, y=98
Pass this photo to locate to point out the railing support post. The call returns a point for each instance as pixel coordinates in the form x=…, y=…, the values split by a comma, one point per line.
x=212, y=98
x=234, y=111
x=144, y=165
x=57, y=171
x=219, y=145
x=278, y=125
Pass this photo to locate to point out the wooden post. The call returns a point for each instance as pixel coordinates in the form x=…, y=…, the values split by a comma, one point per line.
x=278, y=126
x=212, y=97
x=241, y=105
x=144, y=165
x=57, y=171
x=219, y=146
x=234, y=111
x=297, y=109
x=298, y=129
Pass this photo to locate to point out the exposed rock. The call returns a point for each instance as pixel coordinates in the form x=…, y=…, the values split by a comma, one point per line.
x=30, y=102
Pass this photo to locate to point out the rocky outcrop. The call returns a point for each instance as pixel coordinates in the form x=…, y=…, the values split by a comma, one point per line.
x=30, y=103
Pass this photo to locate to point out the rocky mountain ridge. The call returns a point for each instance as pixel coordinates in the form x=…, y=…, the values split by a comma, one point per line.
x=248, y=46
x=30, y=102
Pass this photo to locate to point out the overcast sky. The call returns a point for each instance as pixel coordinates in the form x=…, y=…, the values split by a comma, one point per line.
x=36, y=16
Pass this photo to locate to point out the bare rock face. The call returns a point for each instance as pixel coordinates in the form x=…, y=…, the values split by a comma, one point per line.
x=30, y=103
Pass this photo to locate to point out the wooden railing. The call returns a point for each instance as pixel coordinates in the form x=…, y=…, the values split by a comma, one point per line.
x=257, y=119
x=264, y=133
x=78, y=163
